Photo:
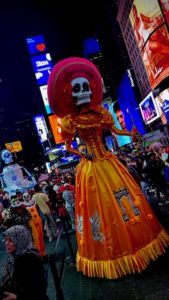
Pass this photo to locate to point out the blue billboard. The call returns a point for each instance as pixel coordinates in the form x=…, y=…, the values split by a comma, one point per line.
x=42, y=66
x=130, y=110
x=122, y=140
x=36, y=44
x=91, y=46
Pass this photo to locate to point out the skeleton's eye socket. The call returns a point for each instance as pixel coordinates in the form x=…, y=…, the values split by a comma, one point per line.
x=85, y=87
x=76, y=88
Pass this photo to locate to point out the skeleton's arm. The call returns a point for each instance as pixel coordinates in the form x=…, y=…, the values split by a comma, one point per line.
x=2, y=181
x=121, y=132
x=29, y=174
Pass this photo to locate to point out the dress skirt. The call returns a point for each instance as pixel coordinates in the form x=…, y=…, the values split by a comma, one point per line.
x=117, y=231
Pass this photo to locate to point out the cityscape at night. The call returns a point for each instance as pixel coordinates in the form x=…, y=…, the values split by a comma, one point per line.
x=84, y=143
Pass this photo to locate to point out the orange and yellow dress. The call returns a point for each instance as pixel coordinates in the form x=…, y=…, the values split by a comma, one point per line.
x=117, y=232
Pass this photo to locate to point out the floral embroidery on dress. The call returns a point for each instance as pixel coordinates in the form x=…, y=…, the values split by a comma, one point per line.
x=80, y=224
x=95, y=223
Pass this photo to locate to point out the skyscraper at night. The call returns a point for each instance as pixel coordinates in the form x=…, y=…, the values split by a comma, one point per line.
x=93, y=52
x=132, y=46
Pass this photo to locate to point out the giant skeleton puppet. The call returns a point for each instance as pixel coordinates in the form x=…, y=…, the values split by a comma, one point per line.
x=14, y=177
x=117, y=232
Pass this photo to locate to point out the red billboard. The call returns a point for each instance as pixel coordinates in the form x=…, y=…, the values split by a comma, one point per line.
x=165, y=8
x=152, y=38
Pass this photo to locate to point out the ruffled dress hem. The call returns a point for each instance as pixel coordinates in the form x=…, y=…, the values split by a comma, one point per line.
x=137, y=262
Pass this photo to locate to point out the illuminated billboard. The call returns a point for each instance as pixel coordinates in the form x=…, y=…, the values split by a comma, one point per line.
x=55, y=123
x=41, y=128
x=43, y=90
x=162, y=101
x=36, y=44
x=165, y=8
x=152, y=38
x=42, y=66
x=122, y=140
x=149, y=109
x=14, y=146
x=91, y=46
x=126, y=108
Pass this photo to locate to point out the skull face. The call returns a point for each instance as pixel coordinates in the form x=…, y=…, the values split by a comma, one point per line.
x=6, y=156
x=26, y=197
x=81, y=91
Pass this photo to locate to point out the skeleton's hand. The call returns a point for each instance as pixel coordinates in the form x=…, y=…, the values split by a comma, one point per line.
x=89, y=156
x=134, y=134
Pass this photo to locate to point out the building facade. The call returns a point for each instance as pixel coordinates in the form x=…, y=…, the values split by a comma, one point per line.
x=123, y=19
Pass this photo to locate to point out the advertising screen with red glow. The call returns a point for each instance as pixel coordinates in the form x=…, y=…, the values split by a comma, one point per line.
x=152, y=37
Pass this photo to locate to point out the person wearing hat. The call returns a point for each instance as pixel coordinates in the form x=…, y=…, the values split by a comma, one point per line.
x=117, y=232
x=19, y=214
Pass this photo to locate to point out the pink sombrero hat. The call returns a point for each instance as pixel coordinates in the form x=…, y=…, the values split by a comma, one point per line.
x=60, y=89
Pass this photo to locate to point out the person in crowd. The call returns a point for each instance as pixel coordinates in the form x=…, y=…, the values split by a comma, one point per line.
x=24, y=274
x=52, y=197
x=18, y=215
x=69, y=197
x=19, y=195
x=57, y=184
x=42, y=201
x=62, y=211
x=153, y=170
x=4, y=199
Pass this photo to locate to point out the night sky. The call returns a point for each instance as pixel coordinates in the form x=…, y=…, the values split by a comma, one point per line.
x=19, y=20
x=19, y=94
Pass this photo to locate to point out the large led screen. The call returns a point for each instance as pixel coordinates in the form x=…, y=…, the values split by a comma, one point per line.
x=91, y=46
x=36, y=44
x=41, y=127
x=165, y=8
x=122, y=140
x=152, y=38
x=43, y=90
x=162, y=101
x=149, y=109
x=42, y=65
x=126, y=108
x=55, y=123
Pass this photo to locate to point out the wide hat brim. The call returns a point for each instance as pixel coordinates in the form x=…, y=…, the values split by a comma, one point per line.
x=59, y=87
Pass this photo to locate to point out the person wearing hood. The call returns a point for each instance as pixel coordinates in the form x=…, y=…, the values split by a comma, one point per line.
x=24, y=275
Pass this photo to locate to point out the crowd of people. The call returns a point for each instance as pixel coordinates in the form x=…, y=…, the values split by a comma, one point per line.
x=39, y=211
x=27, y=221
